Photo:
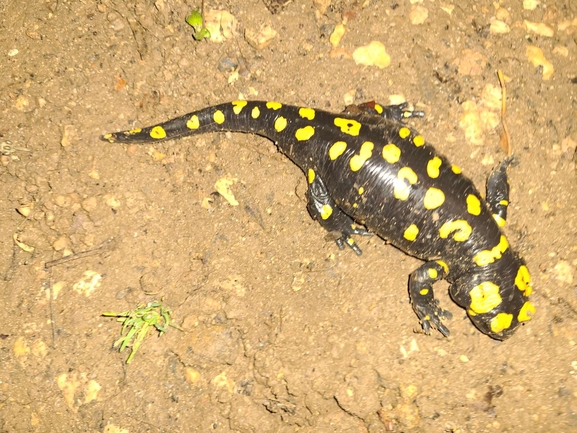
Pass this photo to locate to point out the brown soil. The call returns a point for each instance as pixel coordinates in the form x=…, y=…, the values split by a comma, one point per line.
x=283, y=332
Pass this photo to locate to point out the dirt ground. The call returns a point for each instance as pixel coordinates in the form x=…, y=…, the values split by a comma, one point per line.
x=282, y=331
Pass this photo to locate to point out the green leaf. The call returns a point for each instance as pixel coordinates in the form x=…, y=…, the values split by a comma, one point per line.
x=137, y=322
x=195, y=20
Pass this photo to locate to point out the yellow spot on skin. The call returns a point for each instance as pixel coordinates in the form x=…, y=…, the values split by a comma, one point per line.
x=461, y=228
x=404, y=132
x=348, y=126
x=501, y=322
x=473, y=205
x=418, y=141
x=337, y=149
x=366, y=151
x=280, y=124
x=523, y=280
x=218, y=117
x=255, y=113
x=411, y=232
x=500, y=221
x=424, y=292
x=526, y=313
x=433, y=273
x=443, y=265
x=237, y=106
x=456, y=169
x=433, y=167
x=434, y=198
x=485, y=297
x=391, y=153
x=158, y=132
x=326, y=212
x=355, y=205
x=379, y=108
x=361, y=190
x=311, y=175
x=193, y=122
x=273, y=105
x=504, y=203
x=134, y=131
x=402, y=190
x=486, y=257
x=307, y=113
x=303, y=134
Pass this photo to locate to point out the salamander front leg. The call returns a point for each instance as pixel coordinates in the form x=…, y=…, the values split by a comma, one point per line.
x=324, y=209
x=422, y=297
x=397, y=112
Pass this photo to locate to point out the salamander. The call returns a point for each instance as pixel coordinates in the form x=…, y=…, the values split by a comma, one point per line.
x=368, y=172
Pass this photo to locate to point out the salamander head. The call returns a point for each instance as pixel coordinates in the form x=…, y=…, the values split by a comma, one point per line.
x=496, y=296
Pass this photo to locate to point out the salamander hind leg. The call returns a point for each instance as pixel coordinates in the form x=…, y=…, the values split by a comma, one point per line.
x=422, y=297
x=323, y=208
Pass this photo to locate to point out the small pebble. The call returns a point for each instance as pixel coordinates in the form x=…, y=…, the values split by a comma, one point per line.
x=25, y=210
x=261, y=38
x=541, y=29
x=337, y=34
x=68, y=134
x=418, y=15
x=537, y=58
x=89, y=204
x=499, y=27
x=116, y=21
x=373, y=54
x=112, y=201
x=192, y=375
x=62, y=201
x=563, y=272
x=530, y=5
x=60, y=243
x=22, y=103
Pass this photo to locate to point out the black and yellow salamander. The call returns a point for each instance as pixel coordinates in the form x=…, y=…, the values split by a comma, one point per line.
x=364, y=166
